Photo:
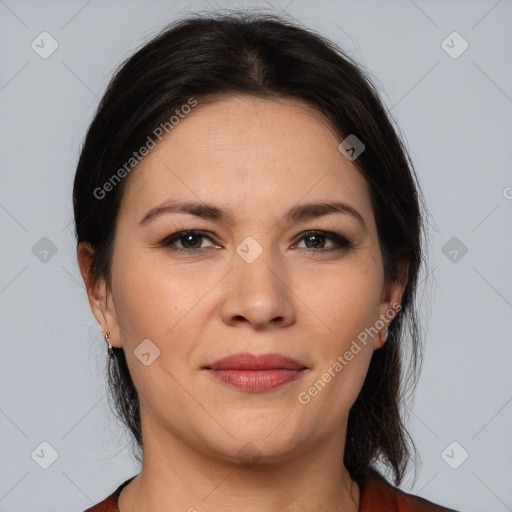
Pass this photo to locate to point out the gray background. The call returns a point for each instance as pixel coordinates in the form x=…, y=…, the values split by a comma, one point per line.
x=455, y=114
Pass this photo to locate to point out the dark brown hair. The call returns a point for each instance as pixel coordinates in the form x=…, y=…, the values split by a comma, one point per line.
x=266, y=56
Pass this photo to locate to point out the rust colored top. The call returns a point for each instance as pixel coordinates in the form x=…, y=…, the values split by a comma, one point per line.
x=376, y=495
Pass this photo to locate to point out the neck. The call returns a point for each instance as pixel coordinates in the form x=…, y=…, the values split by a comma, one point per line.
x=176, y=476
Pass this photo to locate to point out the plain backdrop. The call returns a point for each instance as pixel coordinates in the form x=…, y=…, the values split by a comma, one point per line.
x=451, y=95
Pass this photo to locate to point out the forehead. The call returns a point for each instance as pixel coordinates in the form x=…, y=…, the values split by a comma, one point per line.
x=248, y=152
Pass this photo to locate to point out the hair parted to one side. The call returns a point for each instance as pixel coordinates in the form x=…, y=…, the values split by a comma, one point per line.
x=267, y=56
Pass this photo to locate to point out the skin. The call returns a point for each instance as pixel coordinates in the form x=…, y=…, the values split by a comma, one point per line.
x=256, y=158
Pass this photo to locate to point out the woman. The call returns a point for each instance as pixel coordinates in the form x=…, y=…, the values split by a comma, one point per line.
x=249, y=231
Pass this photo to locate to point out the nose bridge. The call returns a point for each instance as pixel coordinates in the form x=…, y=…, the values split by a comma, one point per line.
x=257, y=290
x=258, y=264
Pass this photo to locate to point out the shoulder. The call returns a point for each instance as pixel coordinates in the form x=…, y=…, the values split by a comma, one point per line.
x=109, y=504
x=377, y=495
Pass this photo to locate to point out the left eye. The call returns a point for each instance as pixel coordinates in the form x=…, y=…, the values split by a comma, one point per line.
x=315, y=238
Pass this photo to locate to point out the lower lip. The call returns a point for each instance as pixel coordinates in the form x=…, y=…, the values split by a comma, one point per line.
x=256, y=380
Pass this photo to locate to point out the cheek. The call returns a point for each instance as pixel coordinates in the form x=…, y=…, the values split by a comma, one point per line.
x=347, y=307
x=347, y=302
x=149, y=307
x=158, y=302
x=335, y=382
x=152, y=296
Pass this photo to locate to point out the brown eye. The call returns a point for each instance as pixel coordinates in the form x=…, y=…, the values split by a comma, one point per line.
x=316, y=240
x=189, y=241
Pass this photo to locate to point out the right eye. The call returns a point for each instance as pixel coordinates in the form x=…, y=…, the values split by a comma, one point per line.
x=189, y=241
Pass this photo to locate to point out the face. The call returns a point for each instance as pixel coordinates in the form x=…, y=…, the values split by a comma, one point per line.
x=260, y=273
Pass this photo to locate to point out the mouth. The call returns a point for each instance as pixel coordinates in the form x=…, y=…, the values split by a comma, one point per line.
x=256, y=373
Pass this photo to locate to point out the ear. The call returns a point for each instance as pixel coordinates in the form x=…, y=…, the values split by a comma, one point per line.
x=391, y=299
x=100, y=298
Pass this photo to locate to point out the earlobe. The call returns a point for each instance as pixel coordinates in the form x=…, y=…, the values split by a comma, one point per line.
x=381, y=337
x=98, y=295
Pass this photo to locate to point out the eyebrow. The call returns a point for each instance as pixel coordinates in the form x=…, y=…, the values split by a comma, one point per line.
x=297, y=213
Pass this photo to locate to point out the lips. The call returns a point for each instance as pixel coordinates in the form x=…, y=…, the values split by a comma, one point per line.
x=256, y=373
x=256, y=362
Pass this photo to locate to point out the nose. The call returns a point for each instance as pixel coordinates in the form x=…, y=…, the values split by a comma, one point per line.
x=258, y=294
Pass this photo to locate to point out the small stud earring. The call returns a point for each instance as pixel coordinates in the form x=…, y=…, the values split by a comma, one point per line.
x=107, y=339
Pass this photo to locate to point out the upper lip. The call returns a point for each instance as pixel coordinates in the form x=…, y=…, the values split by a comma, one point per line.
x=247, y=361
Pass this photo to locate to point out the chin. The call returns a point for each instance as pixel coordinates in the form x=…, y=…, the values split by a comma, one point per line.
x=261, y=442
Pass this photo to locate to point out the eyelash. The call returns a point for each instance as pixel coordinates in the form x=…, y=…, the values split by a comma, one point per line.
x=340, y=242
